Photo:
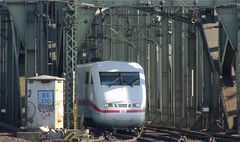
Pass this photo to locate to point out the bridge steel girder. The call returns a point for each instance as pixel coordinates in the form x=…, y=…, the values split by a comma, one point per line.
x=164, y=72
x=228, y=21
x=25, y=25
x=154, y=3
x=18, y=11
x=177, y=70
x=9, y=72
x=238, y=67
x=84, y=19
x=13, y=88
x=228, y=18
x=137, y=3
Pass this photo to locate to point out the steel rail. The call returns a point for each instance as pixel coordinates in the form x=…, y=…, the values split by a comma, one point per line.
x=225, y=138
x=158, y=136
x=194, y=135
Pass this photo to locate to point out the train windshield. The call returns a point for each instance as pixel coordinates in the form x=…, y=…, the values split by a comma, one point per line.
x=119, y=78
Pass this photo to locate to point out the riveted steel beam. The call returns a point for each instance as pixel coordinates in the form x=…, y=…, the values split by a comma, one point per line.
x=177, y=70
x=238, y=67
x=25, y=25
x=228, y=18
x=153, y=3
x=228, y=21
x=137, y=3
x=164, y=70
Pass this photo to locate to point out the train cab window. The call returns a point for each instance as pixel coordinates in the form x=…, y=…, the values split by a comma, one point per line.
x=130, y=78
x=119, y=78
x=87, y=78
x=109, y=78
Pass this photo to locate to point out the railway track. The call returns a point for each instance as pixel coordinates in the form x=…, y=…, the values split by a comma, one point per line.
x=148, y=133
x=152, y=133
x=175, y=134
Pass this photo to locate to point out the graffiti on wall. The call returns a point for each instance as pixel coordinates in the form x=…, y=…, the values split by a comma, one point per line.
x=31, y=109
x=45, y=111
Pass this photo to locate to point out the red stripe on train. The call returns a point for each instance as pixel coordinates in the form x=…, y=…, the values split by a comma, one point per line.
x=135, y=111
x=91, y=104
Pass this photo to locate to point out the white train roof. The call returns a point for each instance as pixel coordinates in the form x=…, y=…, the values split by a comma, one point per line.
x=113, y=66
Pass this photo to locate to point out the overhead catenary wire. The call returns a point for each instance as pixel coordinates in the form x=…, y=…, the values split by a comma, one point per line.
x=134, y=30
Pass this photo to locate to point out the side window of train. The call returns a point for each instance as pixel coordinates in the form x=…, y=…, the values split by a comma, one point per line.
x=87, y=78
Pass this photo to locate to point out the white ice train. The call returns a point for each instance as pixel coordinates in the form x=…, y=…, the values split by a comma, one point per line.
x=112, y=93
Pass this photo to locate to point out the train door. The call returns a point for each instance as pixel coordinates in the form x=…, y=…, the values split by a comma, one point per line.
x=91, y=88
x=88, y=84
x=87, y=92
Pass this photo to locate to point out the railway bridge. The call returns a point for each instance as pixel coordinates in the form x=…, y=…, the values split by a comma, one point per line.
x=188, y=48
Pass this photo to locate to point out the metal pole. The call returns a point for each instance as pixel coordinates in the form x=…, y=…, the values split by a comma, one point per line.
x=71, y=55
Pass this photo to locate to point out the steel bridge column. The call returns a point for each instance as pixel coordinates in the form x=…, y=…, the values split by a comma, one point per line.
x=210, y=96
x=133, y=25
x=9, y=86
x=207, y=87
x=201, y=87
x=158, y=71
x=30, y=29
x=147, y=63
x=222, y=40
x=154, y=32
x=3, y=70
x=164, y=70
x=2, y=75
x=177, y=71
x=238, y=67
x=229, y=20
x=84, y=18
x=191, y=75
x=41, y=38
x=114, y=39
x=184, y=75
x=13, y=94
x=29, y=38
x=9, y=72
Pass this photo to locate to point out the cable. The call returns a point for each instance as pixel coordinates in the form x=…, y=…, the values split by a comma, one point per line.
x=134, y=30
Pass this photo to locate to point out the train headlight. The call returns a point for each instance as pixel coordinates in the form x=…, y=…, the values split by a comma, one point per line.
x=108, y=105
x=137, y=105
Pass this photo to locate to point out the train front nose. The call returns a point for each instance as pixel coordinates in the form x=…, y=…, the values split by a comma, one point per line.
x=122, y=119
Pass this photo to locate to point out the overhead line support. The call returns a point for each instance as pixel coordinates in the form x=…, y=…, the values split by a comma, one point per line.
x=71, y=58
